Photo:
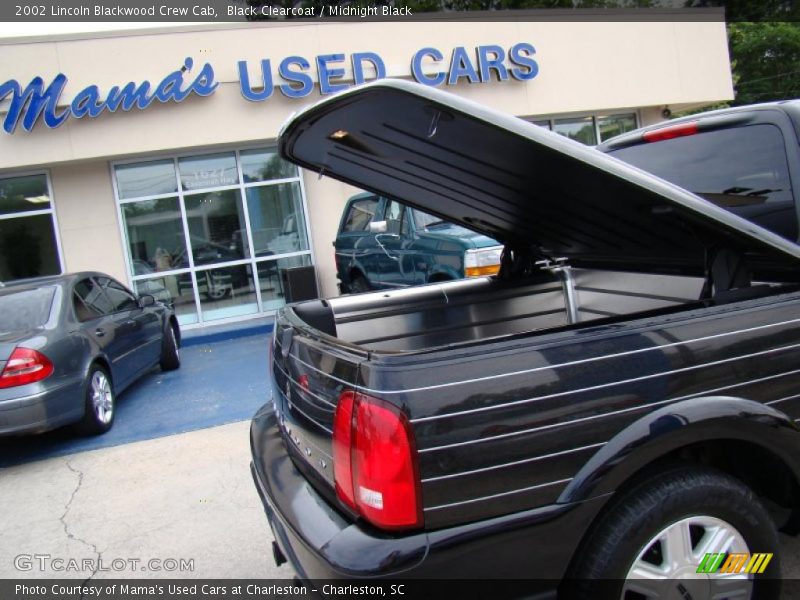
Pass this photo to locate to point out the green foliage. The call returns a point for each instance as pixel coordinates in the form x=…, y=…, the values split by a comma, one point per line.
x=765, y=59
x=752, y=10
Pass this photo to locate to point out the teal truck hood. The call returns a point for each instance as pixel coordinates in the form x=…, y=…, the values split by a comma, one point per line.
x=515, y=182
x=448, y=231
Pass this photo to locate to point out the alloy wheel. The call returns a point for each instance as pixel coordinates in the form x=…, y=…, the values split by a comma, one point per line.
x=666, y=567
x=102, y=397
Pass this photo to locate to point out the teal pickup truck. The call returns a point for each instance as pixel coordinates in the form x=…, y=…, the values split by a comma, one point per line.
x=384, y=244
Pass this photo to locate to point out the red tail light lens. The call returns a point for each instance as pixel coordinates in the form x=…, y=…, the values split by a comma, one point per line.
x=384, y=466
x=342, y=442
x=25, y=366
x=374, y=462
x=673, y=131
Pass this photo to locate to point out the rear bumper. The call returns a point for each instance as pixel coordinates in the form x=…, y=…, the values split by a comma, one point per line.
x=320, y=543
x=42, y=410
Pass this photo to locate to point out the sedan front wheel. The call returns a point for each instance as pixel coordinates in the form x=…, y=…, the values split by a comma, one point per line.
x=170, y=354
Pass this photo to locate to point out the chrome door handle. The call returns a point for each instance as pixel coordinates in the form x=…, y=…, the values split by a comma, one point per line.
x=99, y=332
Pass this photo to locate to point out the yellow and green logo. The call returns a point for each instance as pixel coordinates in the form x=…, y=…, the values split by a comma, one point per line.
x=734, y=563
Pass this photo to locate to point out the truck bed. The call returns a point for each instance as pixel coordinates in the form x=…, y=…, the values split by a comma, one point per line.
x=507, y=398
x=472, y=310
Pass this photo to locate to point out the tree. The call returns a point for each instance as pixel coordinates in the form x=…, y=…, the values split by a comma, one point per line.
x=737, y=11
x=765, y=60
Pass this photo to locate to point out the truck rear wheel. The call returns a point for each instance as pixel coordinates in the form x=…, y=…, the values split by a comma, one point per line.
x=655, y=538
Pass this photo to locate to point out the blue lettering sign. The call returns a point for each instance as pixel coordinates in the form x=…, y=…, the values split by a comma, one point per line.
x=128, y=97
x=35, y=101
x=416, y=67
x=306, y=83
x=87, y=102
x=359, y=58
x=30, y=103
x=491, y=58
x=266, y=82
x=520, y=55
x=461, y=66
x=326, y=74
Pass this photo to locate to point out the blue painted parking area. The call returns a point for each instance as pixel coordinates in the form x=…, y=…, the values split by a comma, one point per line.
x=220, y=381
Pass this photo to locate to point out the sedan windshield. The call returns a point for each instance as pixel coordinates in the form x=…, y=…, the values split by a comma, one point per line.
x=25, y=309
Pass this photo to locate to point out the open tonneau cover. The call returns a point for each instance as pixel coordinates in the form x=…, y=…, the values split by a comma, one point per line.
x=517, y=182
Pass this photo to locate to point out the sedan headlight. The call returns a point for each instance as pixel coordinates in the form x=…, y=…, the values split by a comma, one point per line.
x=482, y=261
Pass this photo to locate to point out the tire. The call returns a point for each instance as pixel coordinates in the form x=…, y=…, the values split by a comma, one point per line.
x=359, y=285
x=697, y=504
x=218, y=295
x=170, y=353
x=99, y=402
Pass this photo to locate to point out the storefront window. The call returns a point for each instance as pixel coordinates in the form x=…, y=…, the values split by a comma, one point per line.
x=209, y=171
x=581, y=130
x=28, y=238
x=276, y=219
x=176, y=290
x=216, y=227
x=615, y=125
x=262, y=165
x=146, y=179
x=208, y=249
x=269, y=277
x=589, y=129
x=155, y=235
x=227, y=292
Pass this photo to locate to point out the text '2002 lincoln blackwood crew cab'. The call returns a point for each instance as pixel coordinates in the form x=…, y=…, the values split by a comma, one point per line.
x=618, y=405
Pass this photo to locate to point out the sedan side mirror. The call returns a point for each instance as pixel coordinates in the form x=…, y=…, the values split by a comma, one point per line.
x=146, y=300
x=378, y=227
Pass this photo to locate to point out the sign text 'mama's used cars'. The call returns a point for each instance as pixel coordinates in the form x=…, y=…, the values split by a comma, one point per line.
x=69, y=344
x=384, y=244
x=605, y=409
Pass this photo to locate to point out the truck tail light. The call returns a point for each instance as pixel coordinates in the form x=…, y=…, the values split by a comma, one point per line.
x=342, y=441
x=25, y=366
x=670, y=132
x=375, y=462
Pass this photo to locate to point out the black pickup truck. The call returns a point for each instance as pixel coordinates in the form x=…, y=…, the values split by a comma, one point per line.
x=617, y=406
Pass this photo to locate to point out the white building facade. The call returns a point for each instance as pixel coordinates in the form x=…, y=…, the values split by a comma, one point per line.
x=151, y=154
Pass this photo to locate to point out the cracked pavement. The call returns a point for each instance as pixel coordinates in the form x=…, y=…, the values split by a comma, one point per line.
x=63, y=520
x=187, y=496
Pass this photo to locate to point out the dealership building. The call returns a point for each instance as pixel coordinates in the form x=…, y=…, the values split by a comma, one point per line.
x=150, y=154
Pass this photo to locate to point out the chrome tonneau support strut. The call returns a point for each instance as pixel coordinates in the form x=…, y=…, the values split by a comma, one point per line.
x=560, y=268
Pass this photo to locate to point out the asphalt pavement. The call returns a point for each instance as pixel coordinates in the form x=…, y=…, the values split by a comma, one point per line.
x=186, y=497
x=221, y=380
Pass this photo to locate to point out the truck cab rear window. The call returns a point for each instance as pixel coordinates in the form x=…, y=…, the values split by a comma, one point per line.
x=733, y=167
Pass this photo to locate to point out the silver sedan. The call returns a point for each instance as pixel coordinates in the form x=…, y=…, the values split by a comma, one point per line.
x=70, y=344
